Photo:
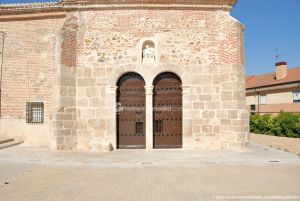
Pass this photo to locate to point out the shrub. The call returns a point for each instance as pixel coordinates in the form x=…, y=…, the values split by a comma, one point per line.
x=285, y=124
x=260, y=123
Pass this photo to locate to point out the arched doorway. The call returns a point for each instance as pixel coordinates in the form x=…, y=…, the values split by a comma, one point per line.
x=167, y=111
x=131, y=118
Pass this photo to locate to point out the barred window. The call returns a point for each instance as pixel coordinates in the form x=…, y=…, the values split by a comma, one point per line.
x=34, y=112
x=139, y=128
x=158, y=126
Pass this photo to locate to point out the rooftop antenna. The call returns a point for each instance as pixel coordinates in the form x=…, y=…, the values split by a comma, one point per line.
x=277, y=55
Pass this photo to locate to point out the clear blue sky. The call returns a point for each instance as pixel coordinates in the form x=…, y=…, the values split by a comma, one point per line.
x=269, y=24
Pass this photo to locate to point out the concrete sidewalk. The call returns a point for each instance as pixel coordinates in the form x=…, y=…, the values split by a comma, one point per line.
x=141, y=175
x=255, y=154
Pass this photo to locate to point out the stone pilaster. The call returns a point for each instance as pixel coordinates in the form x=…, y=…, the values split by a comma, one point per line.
x=111, y=137
x=186, y=123
x=63, y=121
x=149, y=117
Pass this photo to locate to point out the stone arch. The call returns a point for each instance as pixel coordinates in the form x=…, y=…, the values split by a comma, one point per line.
x=177, y=70
x=148, y=42
x=128, y=72
x=122, y=70
x=169, y=72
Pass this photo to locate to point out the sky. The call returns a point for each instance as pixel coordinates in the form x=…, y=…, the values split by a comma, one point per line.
x=269, y=25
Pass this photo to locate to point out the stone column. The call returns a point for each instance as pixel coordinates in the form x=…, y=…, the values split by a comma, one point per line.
x=186, y=121
x=111, y=132
x=149, y=117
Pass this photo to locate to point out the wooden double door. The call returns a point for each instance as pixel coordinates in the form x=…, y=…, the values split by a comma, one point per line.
x=167, y=111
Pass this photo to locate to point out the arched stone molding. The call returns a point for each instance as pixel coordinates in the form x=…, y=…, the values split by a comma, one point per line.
x=177, y=70
x=148, y=73
x=119, y=71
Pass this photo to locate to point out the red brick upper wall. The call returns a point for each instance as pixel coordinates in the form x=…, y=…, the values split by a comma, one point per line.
x=195, y=2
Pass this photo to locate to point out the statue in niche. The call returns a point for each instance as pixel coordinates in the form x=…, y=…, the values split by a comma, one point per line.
x=148, y=53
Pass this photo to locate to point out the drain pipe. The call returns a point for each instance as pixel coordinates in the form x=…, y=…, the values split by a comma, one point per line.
x=1, y=66
x=258, y=102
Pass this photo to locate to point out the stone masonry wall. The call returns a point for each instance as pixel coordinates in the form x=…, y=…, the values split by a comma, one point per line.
x=29, y=74
x=63, y=121
x=204, y=48
x=73, y=61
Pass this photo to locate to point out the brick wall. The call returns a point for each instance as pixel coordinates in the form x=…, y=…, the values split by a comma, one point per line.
x=29, y=74
x=193, y=2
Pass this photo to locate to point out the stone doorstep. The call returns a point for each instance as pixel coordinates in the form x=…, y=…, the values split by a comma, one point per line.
x=8, y=142
x=5, y=140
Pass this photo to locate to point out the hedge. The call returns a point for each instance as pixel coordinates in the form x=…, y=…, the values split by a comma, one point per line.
x=285, y=124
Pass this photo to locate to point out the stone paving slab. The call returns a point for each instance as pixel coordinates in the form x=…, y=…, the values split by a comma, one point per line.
x=9, y=171
x=142, y=175
x=152, y=183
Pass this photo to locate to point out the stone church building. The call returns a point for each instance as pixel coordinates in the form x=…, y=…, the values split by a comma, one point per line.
x=100, y=75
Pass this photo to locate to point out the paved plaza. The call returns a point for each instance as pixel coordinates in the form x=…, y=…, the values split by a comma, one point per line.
x=258, y=173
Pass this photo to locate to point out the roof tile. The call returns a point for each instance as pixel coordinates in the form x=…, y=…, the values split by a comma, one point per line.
x=253, y=81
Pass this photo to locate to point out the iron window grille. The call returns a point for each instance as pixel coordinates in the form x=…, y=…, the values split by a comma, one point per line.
x=34, y=112
x=139, y=128
x=158, y=126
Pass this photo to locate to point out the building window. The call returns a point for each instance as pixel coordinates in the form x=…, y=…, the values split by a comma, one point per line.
x=252, y=107
x=263, y=99
x=296, y=95
x=158, y=126
x=34, y=112
x=139, y=128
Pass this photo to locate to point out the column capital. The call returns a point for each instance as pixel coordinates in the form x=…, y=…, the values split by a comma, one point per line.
x=149, y=90
x=111, y=90
x=185, y=89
